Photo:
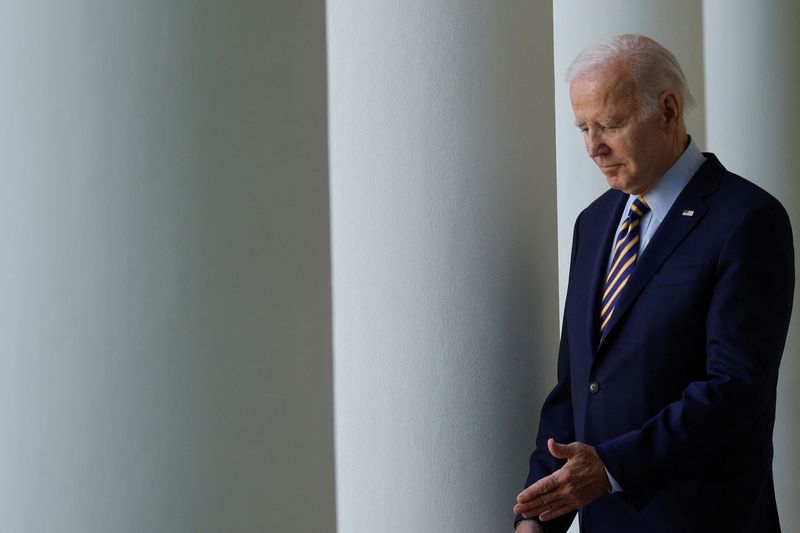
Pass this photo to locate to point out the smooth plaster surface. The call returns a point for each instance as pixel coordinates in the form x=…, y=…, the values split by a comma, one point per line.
x=444, y=257
x=165, y=333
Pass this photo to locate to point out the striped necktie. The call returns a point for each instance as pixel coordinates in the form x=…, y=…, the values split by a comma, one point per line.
x=626, y=250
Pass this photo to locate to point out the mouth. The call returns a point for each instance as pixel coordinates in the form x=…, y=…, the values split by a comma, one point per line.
x=610, y=169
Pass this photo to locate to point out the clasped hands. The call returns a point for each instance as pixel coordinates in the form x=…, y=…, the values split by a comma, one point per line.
x=581, y=480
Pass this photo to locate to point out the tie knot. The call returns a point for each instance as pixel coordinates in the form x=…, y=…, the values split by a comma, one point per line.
x=639, y=207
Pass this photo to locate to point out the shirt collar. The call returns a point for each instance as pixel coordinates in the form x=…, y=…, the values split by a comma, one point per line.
x=666, y=190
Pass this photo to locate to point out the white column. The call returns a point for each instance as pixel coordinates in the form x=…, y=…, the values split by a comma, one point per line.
x=444, y=271
x=752, y=83
x=165, y=353
x=577, y=24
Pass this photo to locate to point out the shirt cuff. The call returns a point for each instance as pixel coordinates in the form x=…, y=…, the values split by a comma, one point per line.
x=615, y=487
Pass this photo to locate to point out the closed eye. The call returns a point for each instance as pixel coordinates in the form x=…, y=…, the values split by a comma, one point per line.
x=611, y=125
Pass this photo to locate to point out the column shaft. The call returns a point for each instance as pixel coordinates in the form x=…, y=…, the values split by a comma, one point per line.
x=579, y=24
x=443, y=223
x=752, y=82
x=165, y=352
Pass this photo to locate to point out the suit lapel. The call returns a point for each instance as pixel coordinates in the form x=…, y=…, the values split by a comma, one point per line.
x=673, y=229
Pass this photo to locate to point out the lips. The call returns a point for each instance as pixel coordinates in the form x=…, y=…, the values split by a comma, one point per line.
x=610, y=169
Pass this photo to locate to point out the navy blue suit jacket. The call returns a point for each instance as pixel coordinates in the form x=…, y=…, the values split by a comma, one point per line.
x=685, y=409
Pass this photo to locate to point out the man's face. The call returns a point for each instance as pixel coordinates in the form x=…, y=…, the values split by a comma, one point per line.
x=632, y=151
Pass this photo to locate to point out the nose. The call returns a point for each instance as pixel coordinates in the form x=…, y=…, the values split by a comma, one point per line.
x=595, y=144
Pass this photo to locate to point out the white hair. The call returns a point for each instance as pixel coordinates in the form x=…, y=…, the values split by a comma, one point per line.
x=653, y=69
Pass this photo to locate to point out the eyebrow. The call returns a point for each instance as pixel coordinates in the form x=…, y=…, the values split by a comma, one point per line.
x=606, y=122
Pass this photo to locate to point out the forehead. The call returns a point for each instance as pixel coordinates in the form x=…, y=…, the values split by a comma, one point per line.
x=605, y=92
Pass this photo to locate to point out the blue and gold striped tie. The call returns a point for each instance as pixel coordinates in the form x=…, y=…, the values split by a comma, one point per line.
x=626, y=250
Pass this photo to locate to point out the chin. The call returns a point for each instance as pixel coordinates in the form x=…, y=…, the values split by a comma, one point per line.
x=615, y=183
x=621, y=183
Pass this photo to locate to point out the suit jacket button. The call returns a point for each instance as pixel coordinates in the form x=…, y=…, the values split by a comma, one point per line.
x=594, y=387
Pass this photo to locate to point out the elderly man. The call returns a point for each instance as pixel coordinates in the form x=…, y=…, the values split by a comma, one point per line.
x=680, y=293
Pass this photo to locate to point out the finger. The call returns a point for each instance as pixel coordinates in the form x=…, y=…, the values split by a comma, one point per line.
x=528, y=510
x=561, y=451
x=541, y=488
x=539, y=510
x=539, y=506
x=555, y=512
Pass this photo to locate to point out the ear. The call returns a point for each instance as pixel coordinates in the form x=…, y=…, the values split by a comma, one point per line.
x=670, y=108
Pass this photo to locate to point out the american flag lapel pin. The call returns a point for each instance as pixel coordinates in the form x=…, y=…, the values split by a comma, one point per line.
x=688, y=213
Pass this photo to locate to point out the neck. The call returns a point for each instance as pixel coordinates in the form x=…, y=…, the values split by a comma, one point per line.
x=679, y=145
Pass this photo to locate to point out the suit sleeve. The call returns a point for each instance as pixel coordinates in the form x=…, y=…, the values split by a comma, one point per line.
x=555, y=421
x=746, y=327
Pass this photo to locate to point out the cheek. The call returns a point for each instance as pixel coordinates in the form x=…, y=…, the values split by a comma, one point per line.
x=621, y=149
x=634, y=153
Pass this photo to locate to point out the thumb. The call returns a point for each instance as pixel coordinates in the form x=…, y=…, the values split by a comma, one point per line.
x=561, y=451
